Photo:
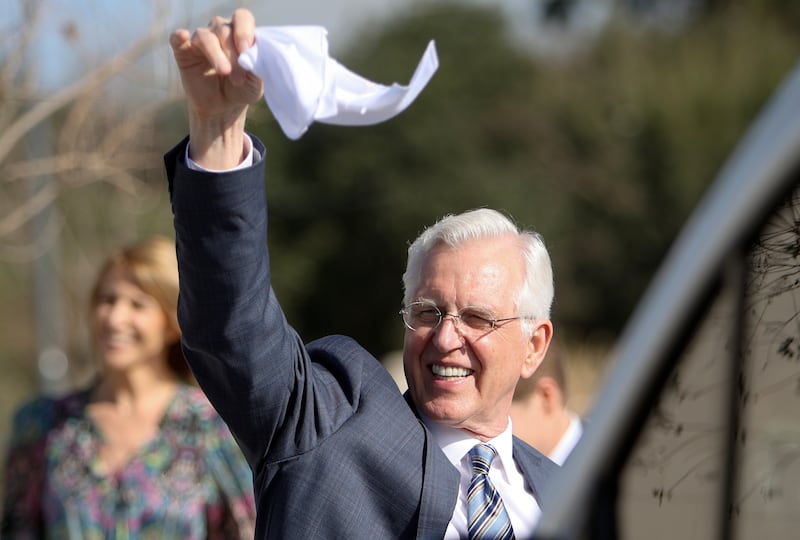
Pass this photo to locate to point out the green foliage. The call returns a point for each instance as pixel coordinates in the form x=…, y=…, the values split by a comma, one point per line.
x=669, y=109
x=344, y=202
x=605, y=154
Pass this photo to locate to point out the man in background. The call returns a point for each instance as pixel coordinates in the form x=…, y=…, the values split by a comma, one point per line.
x=539, y=412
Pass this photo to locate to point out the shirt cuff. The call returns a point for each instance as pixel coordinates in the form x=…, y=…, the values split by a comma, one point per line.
x=246, y=162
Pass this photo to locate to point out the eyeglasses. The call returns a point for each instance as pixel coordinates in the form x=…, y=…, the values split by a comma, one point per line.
x=424, y=315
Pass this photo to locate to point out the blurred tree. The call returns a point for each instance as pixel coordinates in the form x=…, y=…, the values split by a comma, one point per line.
x=785, y=11
x=558, y=11
x=71, y=156
x=80, y=167
x=659, y=114
x=605, y=154
x=344, y=202
x=83, y=151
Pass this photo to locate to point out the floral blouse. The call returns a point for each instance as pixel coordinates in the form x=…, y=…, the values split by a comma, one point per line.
x=189, y=482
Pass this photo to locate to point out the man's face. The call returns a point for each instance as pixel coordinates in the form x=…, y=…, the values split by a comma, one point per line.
x=460, y=377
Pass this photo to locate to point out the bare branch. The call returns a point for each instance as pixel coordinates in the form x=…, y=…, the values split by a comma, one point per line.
x=23, y=213
x=18, y=44
x=73, y=161
x=92, y=145
x=125, y=131
x=22, y=125
x=27, y=28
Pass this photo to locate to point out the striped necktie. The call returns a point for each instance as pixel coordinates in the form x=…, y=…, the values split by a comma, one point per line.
x=486, y=514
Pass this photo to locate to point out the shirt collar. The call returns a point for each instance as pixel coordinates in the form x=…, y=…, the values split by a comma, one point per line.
x=456, y=443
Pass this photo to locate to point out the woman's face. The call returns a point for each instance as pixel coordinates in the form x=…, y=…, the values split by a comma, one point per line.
x=131, y=329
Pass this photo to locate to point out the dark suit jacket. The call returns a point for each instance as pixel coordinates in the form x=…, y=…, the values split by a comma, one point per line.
x=335, y=449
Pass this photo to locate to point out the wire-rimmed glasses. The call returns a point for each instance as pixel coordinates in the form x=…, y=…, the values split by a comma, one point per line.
x=425, y=315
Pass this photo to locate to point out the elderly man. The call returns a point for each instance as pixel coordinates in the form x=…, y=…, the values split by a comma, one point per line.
x=336, y=450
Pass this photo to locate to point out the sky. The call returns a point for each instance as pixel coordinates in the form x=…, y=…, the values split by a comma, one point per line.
x=75, y=35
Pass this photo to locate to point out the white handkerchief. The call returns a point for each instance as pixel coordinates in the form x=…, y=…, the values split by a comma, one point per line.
x=303, y=84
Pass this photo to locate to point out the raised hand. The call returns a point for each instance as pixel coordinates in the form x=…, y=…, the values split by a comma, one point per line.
x=218, y=90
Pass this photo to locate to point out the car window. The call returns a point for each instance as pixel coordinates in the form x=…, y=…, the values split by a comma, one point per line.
x=676, y=483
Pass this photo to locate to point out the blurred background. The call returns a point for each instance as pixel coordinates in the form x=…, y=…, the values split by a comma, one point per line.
x=598, y=123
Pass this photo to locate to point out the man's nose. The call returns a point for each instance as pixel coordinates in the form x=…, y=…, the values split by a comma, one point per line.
x=448, y=334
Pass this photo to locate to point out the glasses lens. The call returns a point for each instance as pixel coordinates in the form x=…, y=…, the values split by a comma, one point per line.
x=477, y=320
x=427, y=315
x=421, y=315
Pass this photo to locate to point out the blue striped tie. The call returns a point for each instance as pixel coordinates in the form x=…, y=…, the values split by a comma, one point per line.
x=486, y=514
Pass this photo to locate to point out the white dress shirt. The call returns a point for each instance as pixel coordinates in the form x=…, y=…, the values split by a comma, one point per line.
x=522, y=508
x=248, y=160
x=568, y=440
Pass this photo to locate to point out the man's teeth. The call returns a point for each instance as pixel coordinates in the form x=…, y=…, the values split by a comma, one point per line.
x=450, y=371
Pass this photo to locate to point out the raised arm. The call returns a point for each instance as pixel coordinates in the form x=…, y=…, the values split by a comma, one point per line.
x=279, y=398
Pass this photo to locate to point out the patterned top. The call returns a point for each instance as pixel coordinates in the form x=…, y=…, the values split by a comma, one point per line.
x=189, y=482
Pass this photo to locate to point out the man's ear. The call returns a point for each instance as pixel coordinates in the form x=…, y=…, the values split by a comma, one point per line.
x=537, y=347
x=550, y=393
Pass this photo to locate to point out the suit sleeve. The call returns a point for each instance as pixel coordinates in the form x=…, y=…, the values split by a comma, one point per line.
x=251, y=364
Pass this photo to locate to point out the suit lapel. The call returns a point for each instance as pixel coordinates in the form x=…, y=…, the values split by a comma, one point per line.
x=439, y=487
x=536, y=469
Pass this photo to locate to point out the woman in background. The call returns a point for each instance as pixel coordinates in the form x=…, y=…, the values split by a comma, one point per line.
x=140, y=453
